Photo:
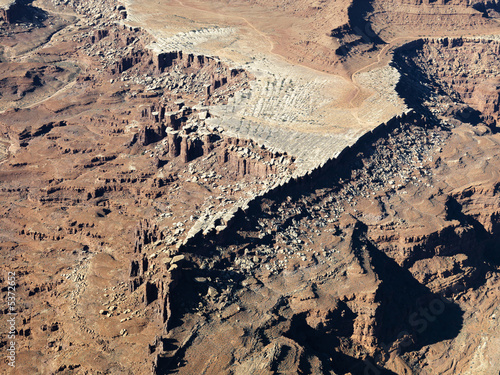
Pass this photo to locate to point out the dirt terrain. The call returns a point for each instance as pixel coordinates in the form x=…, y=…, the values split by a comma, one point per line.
x=250, y=187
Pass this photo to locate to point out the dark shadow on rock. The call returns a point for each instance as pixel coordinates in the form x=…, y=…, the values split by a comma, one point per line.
x=490, y=9
x=23, y=12
x=358, y=33
x=185, y=300
x=169, y=365
x=466, y=114
x=492, y=251
x=409, y=315
x=358, y=17
x=414, y=86
x=417, y=87
x=486, y=248
x=324, y=344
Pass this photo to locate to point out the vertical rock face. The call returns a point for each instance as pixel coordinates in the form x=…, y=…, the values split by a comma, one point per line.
x=165, y=60
x=4, y=15
x=173, y=144
x=146, y=233
x=99, y=35
x=133, y=57
x=486, y=98
x=12, y=11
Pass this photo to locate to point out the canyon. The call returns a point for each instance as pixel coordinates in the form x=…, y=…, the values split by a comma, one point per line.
x=251, y=187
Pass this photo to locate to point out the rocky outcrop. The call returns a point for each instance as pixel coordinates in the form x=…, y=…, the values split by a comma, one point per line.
x=222, y=75
x=20, y=11
x=145, y=233
x=132, y=58
x=6, y=12
x=357, y=36
x=449, y=73
x=412, y=274
x=29, y=133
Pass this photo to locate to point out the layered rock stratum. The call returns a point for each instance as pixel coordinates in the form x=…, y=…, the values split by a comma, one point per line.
x=250, y=187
